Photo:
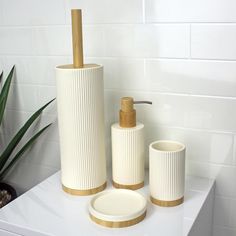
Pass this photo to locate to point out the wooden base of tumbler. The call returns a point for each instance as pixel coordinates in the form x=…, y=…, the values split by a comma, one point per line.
x=167, y=203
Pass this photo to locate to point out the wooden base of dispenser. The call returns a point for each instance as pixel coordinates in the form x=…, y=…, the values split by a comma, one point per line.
x=125, y=186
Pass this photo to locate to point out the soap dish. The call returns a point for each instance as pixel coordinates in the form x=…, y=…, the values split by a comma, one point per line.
x=118, y=208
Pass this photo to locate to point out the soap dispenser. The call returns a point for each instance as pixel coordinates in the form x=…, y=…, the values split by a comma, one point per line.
x=128, y=158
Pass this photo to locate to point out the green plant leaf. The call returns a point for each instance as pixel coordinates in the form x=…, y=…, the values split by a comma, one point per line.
x=21, y=152
x=16, y=139
x=4, y=93
x=1, y=76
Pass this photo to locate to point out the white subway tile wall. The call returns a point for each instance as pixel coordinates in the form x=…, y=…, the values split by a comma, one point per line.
x=179, y=54
x=213, y=41
x=105, y=11
x=190, y=11
x=25, y=12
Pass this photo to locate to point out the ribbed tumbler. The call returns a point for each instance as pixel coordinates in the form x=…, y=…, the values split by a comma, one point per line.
x=167, y=172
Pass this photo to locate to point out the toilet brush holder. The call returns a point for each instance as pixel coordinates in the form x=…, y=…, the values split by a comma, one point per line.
x=167, y=172
x=80, y=104
x=81, y=128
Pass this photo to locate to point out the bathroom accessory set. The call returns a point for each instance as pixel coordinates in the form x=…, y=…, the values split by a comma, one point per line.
x=80, y=103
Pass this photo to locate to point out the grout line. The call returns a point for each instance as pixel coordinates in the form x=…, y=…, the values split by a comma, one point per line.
x=18, y=111
x=213, y=164
x=65, y=9
x=120, y=23
x=144, y=11
x=41, y=85
x=171, y=93
x=191, y=129
x=123, y=58
x=234, y=150
x=213, y=59
x=32, y=26
x=190, y=41
x=36, y=84
x=147, y=125
x=145, y=69
x=45, y=112
x=87, y=56
x=32, y=55
x=193, y=22
x=192, y=59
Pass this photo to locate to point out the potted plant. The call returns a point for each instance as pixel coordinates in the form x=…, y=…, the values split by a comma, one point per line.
x=7, y=157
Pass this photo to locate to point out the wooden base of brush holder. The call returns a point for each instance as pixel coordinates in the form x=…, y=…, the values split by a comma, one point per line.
x=84, y=192
x=80, y=104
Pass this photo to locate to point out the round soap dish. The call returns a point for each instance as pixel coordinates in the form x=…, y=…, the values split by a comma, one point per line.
x=118, y=208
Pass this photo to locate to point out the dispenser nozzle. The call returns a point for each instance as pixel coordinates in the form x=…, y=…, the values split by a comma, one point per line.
x=142, y=102
x=128, y=113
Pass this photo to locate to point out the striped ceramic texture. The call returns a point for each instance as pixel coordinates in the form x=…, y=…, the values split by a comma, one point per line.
x=80, y=104
x=128, y=154
x=167, y=173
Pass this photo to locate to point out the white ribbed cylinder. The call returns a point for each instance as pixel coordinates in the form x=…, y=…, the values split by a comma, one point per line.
x=128, y=154
x=167, y=170
x=80, y=104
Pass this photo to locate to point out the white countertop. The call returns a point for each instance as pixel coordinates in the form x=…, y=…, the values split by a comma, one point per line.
x=47, y=210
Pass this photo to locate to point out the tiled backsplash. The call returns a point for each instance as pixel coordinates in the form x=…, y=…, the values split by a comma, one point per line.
x=179, y=54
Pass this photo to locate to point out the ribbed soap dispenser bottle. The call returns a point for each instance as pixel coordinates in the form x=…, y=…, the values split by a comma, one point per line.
x=128, y=158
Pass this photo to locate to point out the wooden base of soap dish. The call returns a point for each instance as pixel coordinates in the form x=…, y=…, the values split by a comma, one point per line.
x=131, y=187
x=115, y=224
x=118, y=208
x=84, y=192
x=167, y=203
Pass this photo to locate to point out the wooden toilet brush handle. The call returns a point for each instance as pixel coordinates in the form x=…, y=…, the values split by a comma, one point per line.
x=77, y=38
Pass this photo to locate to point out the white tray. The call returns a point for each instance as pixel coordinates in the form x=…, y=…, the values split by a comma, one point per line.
x=118, y=208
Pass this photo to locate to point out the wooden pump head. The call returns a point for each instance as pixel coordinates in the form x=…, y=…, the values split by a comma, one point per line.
x=128, y=113
x=77, y=38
